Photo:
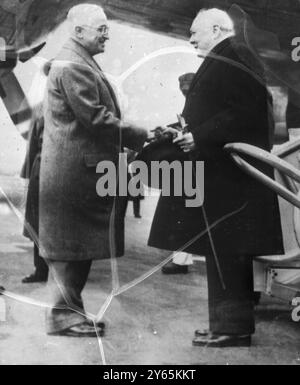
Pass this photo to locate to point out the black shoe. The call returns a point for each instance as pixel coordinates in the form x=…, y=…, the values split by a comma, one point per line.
x=82, y=330
x=100, y=324
x=2, y=290
x=173, y=268
x=222, y=341
x=34, y=278
x=138, y=216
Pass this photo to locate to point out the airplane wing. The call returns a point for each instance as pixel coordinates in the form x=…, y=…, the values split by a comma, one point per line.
x=15, y=101
x=26, y=23
x=11, y=91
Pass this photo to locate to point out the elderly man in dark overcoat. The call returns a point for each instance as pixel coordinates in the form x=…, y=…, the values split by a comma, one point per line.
x=82, y=128
x=227, y=102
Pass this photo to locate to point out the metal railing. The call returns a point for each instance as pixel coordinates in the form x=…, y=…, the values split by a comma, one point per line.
x=289, y=193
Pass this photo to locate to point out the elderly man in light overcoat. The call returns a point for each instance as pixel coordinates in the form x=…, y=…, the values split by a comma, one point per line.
x=82, y=128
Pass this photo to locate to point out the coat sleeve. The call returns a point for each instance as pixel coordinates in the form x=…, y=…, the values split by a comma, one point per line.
x=80, y=86
x=245, y=103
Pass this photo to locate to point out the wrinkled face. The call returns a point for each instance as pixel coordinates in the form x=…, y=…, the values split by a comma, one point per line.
x=203, y=35
x=93, y=35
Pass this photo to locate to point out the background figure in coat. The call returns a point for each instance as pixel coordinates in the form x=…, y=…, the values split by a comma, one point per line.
x=228, y=102
x=31, y=171
x=136, y=200
x=82, y=128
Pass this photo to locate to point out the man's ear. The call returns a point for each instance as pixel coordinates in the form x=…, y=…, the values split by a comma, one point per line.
x=217, y=31
x=78, y=32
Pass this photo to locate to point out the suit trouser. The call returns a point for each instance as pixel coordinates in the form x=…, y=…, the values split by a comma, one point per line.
x=136, y=207
x=231, y=311
x=41, y=267
x=67, y=280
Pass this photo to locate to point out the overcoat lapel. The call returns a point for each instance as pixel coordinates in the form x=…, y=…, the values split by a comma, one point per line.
x=82, y=52
x=112, y=92
x=217, y=51
x=199, y=73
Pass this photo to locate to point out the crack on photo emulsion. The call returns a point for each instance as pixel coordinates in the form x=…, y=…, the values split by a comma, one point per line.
x=116, y=289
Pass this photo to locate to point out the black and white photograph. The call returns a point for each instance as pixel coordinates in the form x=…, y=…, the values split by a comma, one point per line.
x=149, y=185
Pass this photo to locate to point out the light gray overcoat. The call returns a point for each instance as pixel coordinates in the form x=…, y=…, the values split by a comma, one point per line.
x=82, y=128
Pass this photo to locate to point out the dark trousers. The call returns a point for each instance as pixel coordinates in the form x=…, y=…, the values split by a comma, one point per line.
x=67, y=280
x=41, y=267
x=136, y=206
x=231, y=311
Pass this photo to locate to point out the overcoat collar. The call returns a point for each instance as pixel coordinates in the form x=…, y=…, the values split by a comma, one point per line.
x=216, y=51
x=79, y=49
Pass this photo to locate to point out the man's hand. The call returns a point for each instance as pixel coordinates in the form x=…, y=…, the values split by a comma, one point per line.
x=186, y=142
x=164, y=131
x=150, y=137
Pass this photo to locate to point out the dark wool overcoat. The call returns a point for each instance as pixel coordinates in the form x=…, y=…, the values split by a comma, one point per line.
x=228, y=102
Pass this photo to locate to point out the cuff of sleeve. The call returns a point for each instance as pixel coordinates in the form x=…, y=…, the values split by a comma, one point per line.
x=133, y=137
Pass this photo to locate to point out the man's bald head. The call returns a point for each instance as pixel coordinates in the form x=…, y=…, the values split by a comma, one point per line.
x=215, y=16
x=85, y=14
x=209, y=28
x=89, y=26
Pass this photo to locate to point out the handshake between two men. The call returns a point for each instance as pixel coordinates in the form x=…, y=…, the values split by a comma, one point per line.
x=177, y=133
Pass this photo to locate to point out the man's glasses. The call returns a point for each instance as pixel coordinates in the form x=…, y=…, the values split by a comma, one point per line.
x=103, y=30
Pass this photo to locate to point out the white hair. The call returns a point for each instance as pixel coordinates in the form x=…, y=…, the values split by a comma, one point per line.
x=218, y=17
x=84, y=14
